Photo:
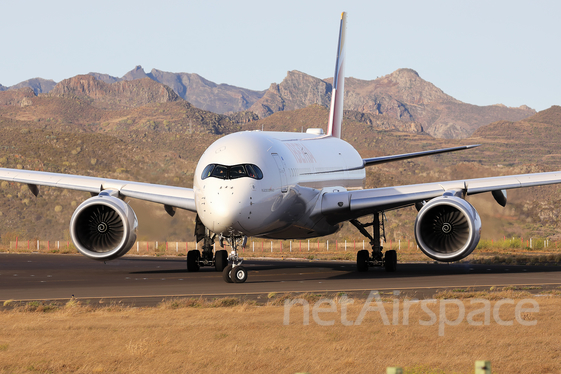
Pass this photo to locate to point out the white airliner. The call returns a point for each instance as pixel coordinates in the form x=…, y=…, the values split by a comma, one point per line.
x=282, y=185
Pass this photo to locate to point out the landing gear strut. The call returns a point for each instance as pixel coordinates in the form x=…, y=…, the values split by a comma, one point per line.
x=196, y=259
x=365, y=259
x=235, y=272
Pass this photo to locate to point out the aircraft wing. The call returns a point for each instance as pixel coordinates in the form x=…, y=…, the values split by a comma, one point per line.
x=345, y=205
x=178, y=197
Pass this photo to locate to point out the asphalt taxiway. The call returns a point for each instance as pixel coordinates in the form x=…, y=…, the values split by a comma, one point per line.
x=147, y=280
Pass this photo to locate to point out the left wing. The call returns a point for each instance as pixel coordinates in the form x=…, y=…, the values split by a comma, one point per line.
x=342, y=206
x=177, y=197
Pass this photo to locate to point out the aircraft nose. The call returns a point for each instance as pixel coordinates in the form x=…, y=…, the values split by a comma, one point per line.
x=224, y=205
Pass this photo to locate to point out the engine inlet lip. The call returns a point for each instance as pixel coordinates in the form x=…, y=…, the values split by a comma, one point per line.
x=474, y=227
x=100, y=200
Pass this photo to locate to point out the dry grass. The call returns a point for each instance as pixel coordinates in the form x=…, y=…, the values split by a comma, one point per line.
x=228, y=335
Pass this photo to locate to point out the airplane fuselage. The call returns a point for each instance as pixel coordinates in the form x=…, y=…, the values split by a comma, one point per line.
x=269, y=184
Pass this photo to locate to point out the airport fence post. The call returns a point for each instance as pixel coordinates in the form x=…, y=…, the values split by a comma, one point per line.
x=327, y=246
x=291, y=246
x=482, y=367
x=137, y=247
x=271, y=246
x=253, y=244
x=345, y=245
x=37, y=245
x=394, y=370
x=177, y=247
x=308, y=245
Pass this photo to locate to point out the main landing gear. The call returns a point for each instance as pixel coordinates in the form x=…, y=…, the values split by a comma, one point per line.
x=196, y=259
x=364, y=259
x=232, y=272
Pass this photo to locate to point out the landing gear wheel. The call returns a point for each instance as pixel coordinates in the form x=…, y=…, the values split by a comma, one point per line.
x=390, y=260
x=362, y=258
x=221, y=260
x=193, y=260
x=239, y=274
x=226, y=274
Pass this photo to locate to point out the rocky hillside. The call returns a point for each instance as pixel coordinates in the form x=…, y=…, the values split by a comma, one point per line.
x=80, y=128
x=38, y=85
x=402, y=95
x=202, y=93
x=118, y=95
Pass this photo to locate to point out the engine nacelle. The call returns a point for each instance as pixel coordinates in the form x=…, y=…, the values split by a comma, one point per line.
x=103, y=227
x=447, y=228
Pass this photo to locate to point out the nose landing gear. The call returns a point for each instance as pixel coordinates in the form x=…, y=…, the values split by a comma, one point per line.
x=235, y=272
x=363, y=259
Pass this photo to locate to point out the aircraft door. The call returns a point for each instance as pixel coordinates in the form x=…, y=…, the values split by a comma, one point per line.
x=282, y=171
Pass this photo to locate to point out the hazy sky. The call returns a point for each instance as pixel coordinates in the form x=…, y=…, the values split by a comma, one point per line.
x=480, y=52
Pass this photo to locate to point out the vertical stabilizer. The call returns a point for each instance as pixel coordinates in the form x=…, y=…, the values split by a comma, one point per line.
x=336, y=111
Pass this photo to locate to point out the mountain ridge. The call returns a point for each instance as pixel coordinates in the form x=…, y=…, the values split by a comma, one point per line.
x=402, y=95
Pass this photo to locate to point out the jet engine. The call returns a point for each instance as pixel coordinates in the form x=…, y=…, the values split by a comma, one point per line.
x=447, y=228
x=103, y=227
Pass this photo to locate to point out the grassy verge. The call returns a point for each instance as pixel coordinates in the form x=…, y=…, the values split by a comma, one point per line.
x=232, y=335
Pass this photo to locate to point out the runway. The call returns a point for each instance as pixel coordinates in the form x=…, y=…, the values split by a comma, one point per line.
x=147, y=280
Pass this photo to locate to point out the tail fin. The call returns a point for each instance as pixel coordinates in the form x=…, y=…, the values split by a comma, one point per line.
x=336, y=111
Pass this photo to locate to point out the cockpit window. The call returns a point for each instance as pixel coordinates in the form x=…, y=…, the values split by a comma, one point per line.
x=220, y=172
x=232, y=172
x=208, y=171
x=254, y=172
x=237, y=171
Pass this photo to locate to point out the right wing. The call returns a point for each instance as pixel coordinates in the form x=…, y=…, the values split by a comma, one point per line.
x=177, y=197
x=342, y=206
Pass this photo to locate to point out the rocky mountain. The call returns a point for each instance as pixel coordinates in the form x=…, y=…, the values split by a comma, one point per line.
x=105, y=77
x=402, y=95
x=298, y=90
x=19, y=97
x=202, y=93
x=118, y=95
x=38, y=85
x=3, y=88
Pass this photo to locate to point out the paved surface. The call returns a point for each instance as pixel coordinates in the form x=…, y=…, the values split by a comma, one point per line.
x=147, y=280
